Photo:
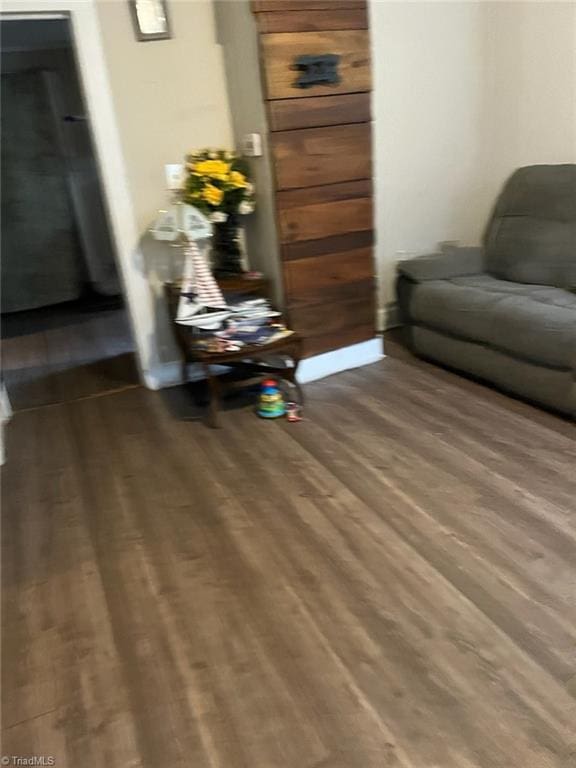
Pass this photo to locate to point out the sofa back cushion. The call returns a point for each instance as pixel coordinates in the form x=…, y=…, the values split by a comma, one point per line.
x=531, y=236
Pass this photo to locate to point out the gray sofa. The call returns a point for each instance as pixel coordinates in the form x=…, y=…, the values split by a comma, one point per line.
x=506, y=312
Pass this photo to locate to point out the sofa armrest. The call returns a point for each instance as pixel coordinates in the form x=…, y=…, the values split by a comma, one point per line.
x=453, y=262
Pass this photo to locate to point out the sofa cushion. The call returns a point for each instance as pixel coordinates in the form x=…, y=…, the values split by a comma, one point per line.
x=531, y=236
x=548, y=386
x=452, y=262
x=449, y=305
x=534, y=322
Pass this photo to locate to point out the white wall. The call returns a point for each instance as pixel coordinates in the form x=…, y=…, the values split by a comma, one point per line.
x=464, y=93
x=170, y=95
x=530, y=86
x=170, y=98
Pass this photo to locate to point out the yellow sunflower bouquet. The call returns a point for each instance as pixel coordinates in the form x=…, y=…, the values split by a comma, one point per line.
x=217, y=182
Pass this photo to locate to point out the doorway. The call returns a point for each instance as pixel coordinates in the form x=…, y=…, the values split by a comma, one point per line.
x=65, y=328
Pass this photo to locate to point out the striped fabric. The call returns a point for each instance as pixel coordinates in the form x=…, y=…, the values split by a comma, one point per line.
x=198, y=279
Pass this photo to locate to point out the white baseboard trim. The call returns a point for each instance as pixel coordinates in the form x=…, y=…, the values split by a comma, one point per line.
x=163, y=375
x=319, y=366
x=311, y=368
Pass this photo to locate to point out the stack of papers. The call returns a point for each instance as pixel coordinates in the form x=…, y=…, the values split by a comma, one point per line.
x=251, y=311
x=254, y=335
x=251, y=322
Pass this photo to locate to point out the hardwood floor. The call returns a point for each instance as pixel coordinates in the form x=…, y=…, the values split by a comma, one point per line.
x=65, y=352
x=390, y=583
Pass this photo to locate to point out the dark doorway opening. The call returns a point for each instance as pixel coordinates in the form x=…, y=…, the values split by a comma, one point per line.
x=65, y=329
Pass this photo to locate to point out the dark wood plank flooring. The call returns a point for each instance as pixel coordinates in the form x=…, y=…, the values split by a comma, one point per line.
x=390, y=583
x=65, y=352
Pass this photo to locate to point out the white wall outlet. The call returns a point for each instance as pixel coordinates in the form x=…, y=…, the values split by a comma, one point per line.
x=174, y=175
x=252, y=145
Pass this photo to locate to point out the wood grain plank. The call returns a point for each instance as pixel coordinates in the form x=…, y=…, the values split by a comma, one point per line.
x=483, y=753
x=313, y=20
x=308, y=248
x=316, y=111
x=280, y=50
x=336, y=292
x=394, y=589
x=344, y=337
x=549, y=646
x=330, y=193
x=329, y=278
x=57, y=353
x=320, y=220
x=263, y=6
x=330, y=318
x=316, y=156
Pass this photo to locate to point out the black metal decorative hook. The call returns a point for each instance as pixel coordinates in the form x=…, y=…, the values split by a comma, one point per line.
x=317, y=69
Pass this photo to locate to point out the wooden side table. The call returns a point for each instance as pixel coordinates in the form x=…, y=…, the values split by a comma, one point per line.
x=249, y=359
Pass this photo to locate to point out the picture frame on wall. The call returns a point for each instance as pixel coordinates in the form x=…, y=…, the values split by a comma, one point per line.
x=150, y=19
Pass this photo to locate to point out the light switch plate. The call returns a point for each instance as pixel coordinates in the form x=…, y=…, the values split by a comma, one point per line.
x=174, y=175
x=252, y=145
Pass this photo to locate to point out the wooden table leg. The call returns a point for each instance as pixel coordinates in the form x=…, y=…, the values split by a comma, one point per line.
x=214, y=395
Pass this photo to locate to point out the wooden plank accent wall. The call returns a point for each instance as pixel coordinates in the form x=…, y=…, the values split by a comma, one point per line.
x=316, y=111
x=311, y=221
x=313, y=21
x=348, y=242
x=282, y=48
x=320, y=139
x=315, y=156
x=329, y=277
x=260, y=6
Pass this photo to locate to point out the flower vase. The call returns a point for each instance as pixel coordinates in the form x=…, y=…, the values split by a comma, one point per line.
x=226, y=248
